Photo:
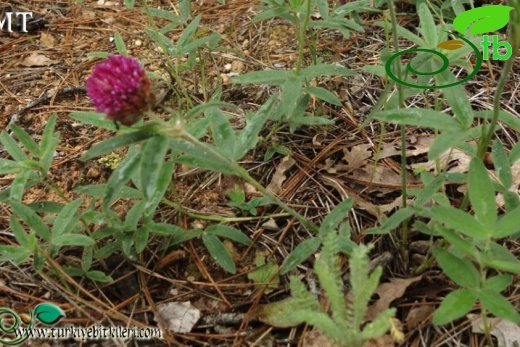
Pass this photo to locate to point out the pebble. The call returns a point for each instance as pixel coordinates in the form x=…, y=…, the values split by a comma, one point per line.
x=138, y=42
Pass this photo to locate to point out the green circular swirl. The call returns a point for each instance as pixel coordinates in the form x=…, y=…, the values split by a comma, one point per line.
x=12, y=328
x=445, y=65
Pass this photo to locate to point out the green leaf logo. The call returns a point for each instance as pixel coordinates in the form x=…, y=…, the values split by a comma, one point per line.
x=484, y=19
x=48, y=313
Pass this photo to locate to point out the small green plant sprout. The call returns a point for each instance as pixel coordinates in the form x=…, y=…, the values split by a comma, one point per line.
x=345, y=324
x=237, y=199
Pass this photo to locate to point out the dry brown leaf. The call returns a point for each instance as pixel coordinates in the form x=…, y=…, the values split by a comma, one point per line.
x=382, y=177
x=418, y=314
x=47, y=39
x=455, y=160
x=388, y=292
x=383, y=341
x=279, y=175
x=506, y=332
x=315, y=338
x=357, y=156
x=36, y=59
x=180, y=317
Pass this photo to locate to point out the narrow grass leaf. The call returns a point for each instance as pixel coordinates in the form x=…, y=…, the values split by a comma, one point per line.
x=455, y=305
x=300, y=254
x=461, y=271
x=229, y=233
x=98, y=191
x=12, y=147
x=482, y=194
x=120, y=44
x=419, y=117
x=219, y=252
x=26, y=140
x=32, y=220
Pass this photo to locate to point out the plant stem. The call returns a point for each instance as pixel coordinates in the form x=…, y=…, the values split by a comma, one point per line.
x=241, y=172
x=302, y=29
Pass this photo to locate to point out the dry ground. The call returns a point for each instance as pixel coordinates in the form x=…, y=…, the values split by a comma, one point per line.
x=330, y=164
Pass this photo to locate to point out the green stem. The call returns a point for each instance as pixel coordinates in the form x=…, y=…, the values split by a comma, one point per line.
x=302, y=29
x=241, y=172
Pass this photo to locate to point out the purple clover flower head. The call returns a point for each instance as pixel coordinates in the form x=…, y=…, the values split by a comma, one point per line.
x=120, y=88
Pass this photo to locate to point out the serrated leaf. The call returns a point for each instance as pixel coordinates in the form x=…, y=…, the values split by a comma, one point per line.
x=219, y=252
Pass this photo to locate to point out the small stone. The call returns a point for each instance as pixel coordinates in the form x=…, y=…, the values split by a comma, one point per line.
x=138, y=43
x=237, y=66
x=227, y=67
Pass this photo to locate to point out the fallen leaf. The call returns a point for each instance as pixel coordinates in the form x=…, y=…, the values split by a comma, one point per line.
x=36, y=59
x=388, y=292
x=315, y=338
x=506, y=332
x=279, y=175
x=418, y=314
x=357, y=156
x=180, y=317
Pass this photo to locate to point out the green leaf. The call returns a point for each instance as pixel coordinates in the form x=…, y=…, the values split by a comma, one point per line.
x=460, y=221
x=319, y=70
x=498, y=305
x=31, y=219
x=229, y=233
x=19, y=184
x=247, y=138
x=223, y=134
x=152, y=158
x=99, y=276
x=505, y=117
x=141, y=239
x=502, y=165
x=335, y=217
x=219, y=252
x=508, y=224
x=98, y=191
x=461, y=271
x=189, y=31
x=12, y=147
x=454, y=239
x=310, y=120
x=19, y=233
x=129, y=4
x=482, y=194
x=163, y=182
x=498, y=283
x=485, y=19
x=48, y=143
x=448, y=139
x=26, y=140
x=120, y=176
x=10, y=166
x=120, y=44
x=61, y=223
x=407, y=34
x=455, y=305
x=15, y=254
x=48, y=313
x=428, y=28
x=291, y=92
x=457, y=98
x=94, y=118
x=391, y=223
x=300, y=253
x=124, y=140
x=324, y=94
x=72, y=240
x=269, y=77
x=419, y=117
x=265, y=274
